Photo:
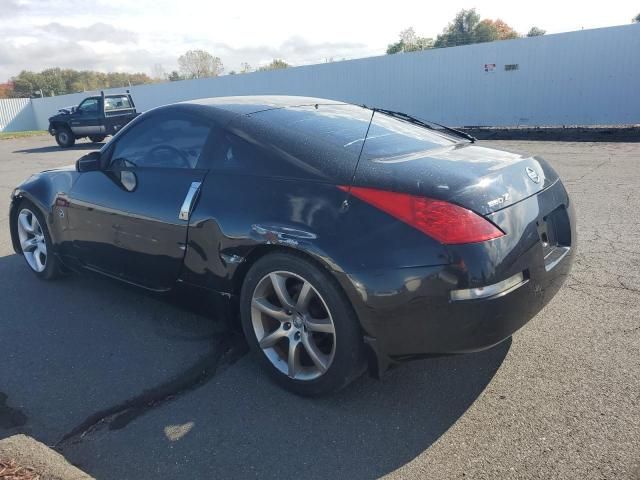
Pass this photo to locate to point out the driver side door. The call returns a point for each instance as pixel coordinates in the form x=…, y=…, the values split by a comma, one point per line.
x=128, y=220
x=86, y=120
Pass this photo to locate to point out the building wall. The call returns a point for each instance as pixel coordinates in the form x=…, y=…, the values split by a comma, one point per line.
x=16, y=114
x=588, y=77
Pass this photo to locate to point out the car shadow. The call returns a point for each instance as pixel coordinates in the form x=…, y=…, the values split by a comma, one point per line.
x=82, y=344
x=102, y=370
x=56, y=148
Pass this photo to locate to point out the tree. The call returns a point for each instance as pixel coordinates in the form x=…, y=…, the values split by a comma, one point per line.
x=409, y=42
x=636, y=19
x=461, y=31
x=200, y=64
x=157, y=72
x=25, y=84
x=276, y=64
x=536, y=32
x=174, y=76
x=467, y=28
x=6, y=90
x=56, y=81
x=490, y=30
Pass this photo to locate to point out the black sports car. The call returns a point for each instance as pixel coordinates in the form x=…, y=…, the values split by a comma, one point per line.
x=350, y=237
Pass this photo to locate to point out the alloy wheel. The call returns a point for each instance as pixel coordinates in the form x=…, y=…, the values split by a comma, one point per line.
x=293, y=325
x=32, y=240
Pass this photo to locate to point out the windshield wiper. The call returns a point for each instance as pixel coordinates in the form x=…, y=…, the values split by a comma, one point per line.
x=422, y=123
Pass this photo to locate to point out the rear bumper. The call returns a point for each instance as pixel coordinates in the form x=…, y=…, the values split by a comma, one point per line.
x=408, y=312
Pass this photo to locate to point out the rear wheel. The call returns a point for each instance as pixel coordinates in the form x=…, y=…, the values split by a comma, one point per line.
x=300, y=325
x=65, y=137
x=96, y=138
x=35, y=242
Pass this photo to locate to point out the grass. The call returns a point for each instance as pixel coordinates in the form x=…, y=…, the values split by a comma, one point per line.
x=30, y=133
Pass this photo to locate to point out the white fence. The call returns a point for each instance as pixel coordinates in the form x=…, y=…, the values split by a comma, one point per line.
x=16, y=114
x=589, y=77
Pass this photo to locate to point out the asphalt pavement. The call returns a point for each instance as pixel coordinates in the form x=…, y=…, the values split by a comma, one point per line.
x=129, y=385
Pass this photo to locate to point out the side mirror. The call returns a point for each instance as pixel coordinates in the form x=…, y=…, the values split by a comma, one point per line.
x=89, y=162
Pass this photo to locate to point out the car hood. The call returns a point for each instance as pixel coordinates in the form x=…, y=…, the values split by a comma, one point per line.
x=479, y=178
x=66, y=168
x=63, y=112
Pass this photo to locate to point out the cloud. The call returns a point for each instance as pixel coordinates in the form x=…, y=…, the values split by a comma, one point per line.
x=12, y=8
x=57, y=45
x=295, y=50
x=98, y=32
x=69, y=54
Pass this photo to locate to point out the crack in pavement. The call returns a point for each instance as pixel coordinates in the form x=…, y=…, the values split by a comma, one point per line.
x=228, y=349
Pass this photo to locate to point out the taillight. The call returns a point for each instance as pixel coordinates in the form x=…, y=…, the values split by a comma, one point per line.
x=443, y=221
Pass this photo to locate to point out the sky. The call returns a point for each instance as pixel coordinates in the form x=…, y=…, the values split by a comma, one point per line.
x=135, y=35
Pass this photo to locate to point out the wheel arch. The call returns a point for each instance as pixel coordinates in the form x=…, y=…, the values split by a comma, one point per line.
x=262, y=250
x=38, y=192
x=58, y=124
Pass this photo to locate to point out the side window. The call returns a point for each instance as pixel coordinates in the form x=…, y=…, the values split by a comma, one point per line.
x=306, y=142
x=167, y=141
x=90, y=105
x=116, y=103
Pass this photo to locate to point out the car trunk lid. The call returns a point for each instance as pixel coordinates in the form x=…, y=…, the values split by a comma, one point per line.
x=402, y=157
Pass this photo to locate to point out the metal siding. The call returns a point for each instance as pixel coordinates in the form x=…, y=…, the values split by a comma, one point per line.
x=587, y=77
x=16, y=114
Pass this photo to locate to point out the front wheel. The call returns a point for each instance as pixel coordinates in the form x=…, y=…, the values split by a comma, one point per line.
x=65, y=137
x=300, y=325
x=35, y=242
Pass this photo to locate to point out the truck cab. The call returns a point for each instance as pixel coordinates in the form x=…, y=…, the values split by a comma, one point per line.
x=95, y=117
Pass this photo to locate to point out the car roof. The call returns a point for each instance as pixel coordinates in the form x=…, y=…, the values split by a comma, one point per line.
x=245, y=105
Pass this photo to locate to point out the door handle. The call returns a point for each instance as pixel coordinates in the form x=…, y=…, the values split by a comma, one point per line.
x=189, y=200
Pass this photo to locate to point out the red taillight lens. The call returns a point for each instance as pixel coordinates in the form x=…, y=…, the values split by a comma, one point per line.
x=443, y=221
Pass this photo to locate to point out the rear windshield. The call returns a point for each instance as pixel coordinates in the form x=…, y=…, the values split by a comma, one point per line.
x=116, y=103
x=390, y=138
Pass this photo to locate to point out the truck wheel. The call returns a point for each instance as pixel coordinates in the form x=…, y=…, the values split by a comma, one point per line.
x=96, y=138
x=65, y=138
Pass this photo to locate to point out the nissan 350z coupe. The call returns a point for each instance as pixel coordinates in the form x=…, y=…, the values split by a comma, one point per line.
x=349, y=237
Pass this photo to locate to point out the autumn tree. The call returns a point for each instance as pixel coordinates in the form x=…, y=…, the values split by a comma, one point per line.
x=199, y=64
x=6, y=90
x=490, y=30
x=467, y=27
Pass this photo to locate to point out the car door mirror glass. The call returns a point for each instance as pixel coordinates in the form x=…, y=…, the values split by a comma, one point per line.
x=89, y=162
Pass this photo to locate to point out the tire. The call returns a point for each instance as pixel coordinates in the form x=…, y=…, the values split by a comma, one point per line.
x=65, y=137
x=96, y=138
x=41, y=260
x=325, y=334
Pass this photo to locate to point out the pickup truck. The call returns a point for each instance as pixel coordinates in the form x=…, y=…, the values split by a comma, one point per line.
x=95, y=117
